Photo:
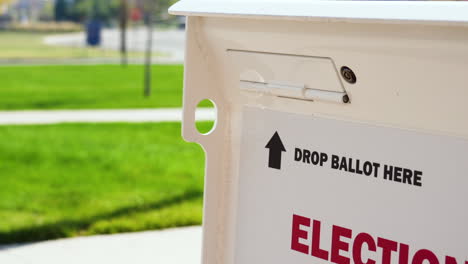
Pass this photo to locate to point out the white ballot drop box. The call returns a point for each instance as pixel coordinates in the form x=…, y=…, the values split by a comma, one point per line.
x=341, y=132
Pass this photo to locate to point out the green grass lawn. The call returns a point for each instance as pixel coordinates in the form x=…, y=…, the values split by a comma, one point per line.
x=25, y=45
x=88, y=87
x=83, y=179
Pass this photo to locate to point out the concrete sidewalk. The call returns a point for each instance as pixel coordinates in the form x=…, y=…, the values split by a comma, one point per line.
x=169, y=42
x=85, y=61
x=173, y=246
x=100, y=116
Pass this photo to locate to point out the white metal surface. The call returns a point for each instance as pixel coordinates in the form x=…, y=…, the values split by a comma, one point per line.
x=100, y=116
x=402, y=186
x=308, y=72
x=445, y=12
x=411, y=77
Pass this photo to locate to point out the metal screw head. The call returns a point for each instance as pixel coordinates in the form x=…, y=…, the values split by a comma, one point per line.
x=348, y=75
x=346, y=99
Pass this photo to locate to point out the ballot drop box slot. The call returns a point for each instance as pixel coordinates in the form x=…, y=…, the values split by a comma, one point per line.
x=341, y=132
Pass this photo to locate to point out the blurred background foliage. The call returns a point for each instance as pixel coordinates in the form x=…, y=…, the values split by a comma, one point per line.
x=13, y=12
x=65, y=180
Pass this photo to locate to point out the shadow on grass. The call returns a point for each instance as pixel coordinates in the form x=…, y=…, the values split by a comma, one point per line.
x=49, y=104
x=64, y=228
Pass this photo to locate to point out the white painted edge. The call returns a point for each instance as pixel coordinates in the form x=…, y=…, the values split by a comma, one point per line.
x=406, y=12
x=100, y=116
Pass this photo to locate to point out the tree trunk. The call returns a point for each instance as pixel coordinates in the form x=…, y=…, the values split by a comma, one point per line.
x=123, y=32
x=149, y=46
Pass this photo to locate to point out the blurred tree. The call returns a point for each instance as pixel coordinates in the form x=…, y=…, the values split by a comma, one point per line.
x=4, y=3
x=60, y=10
x=48, y=12
x=161, y=7
x=82, y=10
x=107, y=10
x=154, y=11
x=149, y=7
x=123, y=31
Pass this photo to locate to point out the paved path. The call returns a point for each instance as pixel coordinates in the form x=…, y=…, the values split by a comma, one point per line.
x=173, y=246
x=85, y=61
x=170, y=42
x=100, y=116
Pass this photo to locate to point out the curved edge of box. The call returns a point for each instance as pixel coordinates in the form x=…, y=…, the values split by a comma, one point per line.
x=392, y=12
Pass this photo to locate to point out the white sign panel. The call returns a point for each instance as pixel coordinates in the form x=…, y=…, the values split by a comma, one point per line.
x=316, y=190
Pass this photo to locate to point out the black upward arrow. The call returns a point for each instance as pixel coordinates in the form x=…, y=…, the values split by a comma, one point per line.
x=276, y=149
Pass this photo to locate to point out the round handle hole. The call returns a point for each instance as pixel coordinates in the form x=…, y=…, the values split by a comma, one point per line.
x=205, y=116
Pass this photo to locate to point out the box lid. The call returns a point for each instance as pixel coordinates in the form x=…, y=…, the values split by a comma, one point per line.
x=419, y=12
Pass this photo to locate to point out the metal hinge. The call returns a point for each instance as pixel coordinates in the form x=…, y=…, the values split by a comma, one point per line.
x=295, y=91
